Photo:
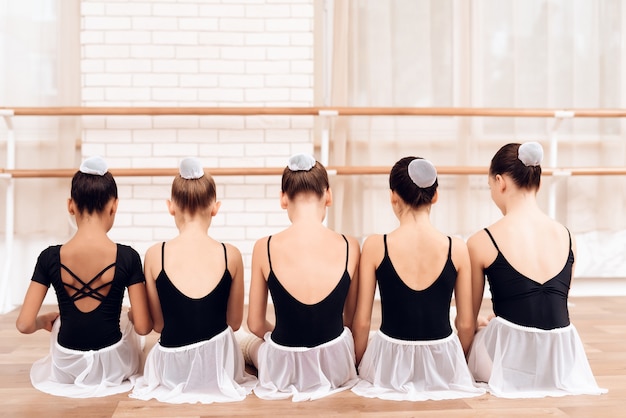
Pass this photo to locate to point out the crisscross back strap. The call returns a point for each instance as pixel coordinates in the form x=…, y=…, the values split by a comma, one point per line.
x=86, y=290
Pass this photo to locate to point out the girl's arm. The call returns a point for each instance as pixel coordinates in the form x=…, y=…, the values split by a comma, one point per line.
x=257, y=304
x=234, y=313
x=139, y=314
x=464, y=321
x=351, y=300
x=365, y=298
x=476, y=254
x=153, y=257
x=28, y=321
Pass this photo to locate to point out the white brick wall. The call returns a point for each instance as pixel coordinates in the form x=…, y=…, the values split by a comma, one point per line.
x=197, y=53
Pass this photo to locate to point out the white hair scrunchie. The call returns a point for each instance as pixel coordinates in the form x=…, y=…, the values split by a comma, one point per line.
x=95, y=166
x=530, y=153
x=191, y=168
x=301, y=162
x=422, y=172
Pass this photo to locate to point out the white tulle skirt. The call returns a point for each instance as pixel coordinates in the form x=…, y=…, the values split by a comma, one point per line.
x=86, y=374
x=306, y=373
x=523, y=362
x=400, y=370
x=204, y=372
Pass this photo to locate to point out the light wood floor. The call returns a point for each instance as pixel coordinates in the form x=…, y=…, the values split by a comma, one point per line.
x=601, y=322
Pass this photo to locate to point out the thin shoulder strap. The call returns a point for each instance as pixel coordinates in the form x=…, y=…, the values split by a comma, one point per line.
x=225, y=256
x=492, y=240
x=570, y=238
x=268, y=251
x=385, y=242
x=450, y=248
x=163, y=256
x=347, y=250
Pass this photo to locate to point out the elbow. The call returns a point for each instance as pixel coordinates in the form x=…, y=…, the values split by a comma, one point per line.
x=256, y=327
x=25, y=327
x=360, y=326
x=235, y=323
x=465, y=327
x=157, y=326
x=143, y=329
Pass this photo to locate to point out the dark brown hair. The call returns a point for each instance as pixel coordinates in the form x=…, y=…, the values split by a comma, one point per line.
x=314, y=180
x=193, y=195
x=409, y=192
x=91, y=192
x=506, y=161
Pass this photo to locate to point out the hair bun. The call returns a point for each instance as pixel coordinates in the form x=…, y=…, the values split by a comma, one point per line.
x=530, y=153
x=95, y=166
x=191, y=168
x=422, y=172
x=301, y=162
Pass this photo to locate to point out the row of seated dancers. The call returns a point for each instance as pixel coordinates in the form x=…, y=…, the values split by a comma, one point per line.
x=322, y=284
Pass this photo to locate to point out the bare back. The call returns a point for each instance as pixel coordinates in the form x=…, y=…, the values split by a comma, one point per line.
x=195, y=267
x=418, y=257
x=538, y=249
x=309, y=266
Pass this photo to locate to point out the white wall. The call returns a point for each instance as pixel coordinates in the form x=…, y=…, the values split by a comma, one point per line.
x=198, y=53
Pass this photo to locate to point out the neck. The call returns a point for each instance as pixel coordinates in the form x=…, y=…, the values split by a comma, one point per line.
x=307, y=212
x=410, y=216
x=196, y=225
x=524, y=201
x=90, y=226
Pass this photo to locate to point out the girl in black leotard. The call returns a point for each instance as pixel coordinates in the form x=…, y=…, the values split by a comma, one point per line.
x=529, y=349
x=310, y=272
x=415, y=355
x=195, y=288
x=90, y=355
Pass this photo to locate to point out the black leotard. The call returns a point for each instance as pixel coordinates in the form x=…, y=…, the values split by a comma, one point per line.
x=188, y=320
x=415, y=315
x=100, y=327
x=302, y=325
x=523, y=301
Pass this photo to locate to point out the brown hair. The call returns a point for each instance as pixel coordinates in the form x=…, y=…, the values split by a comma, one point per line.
x=193, y=195
x=409, y=192
x=314, y=180
x=506, y=161
x=91, y=192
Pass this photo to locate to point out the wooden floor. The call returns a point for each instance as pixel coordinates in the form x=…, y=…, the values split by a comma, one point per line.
x=601, y=322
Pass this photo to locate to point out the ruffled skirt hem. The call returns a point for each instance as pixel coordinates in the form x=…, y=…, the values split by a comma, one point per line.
x=205, y=372
x=401, y=370
x=523, y=362
x=304, y=373
x=86, y=374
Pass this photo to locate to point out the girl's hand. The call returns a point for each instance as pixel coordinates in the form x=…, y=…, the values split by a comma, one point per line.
x=46, y=320
x=482, y=321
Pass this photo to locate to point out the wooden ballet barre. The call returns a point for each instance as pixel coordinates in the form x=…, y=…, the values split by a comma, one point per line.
x=313, y=111
x=270, y=171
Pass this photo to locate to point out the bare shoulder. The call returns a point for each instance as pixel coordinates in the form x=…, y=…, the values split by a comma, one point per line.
x=373, y=250
x=232, y=251
x=353, y=243
x=458, y=246
x=477, y=239
x=260, y=244
x=373, y=244
x=153, y=252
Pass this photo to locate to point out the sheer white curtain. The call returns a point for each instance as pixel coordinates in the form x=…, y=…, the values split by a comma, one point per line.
x=393, y=53
x=39, y=66
x=482, y=53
